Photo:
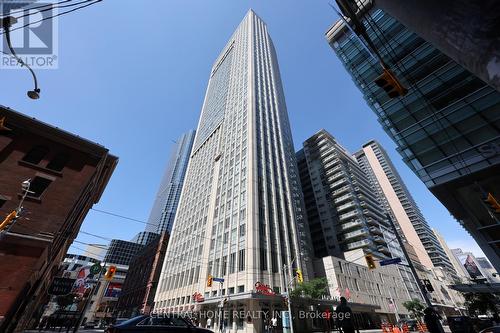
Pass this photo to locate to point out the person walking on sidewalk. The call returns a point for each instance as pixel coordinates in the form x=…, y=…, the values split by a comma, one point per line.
x=344, y=316
x=431, y=319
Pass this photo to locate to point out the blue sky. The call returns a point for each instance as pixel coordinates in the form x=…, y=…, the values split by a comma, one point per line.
x=132, y=76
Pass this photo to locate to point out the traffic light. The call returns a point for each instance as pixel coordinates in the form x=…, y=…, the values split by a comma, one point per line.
x=9, y=219
x=492, y=203
x=110, y=273
x=428, y=285
x=370, y=261
x=300, y=278
x=209, y=280
x=390, y=83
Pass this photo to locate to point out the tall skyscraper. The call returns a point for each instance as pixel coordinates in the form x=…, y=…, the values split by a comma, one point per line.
x=240, y=215
x=447, y=127
x=398, y=201
x=162, y=214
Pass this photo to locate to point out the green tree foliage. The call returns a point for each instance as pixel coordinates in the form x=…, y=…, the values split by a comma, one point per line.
x=415, y=307
x=315, y=288
x=480, y=304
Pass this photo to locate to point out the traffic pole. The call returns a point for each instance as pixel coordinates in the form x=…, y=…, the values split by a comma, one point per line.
x=413, y=270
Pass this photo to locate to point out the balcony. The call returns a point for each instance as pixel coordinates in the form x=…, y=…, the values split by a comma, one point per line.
x=349, y=215
x=340, y=191
x=350, y=225
x=375, y=230
x=343, y=198
x=355, y=234
x=336, y=176
x=338, y=183
x=332, y=170
x=379, y=239
x=346, y=206
x=358, y=244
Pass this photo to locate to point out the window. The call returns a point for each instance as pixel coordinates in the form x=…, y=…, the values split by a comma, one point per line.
x=241, y=289
x=230, y=291
x=38, y=186
x=3, y=200
x=58, y=162
x=241, y=260
x=36, y=154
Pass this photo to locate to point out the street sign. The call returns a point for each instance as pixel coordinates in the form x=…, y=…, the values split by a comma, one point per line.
x=61, y=286
x=390, y=261
x=95, y=269
x=218, y=279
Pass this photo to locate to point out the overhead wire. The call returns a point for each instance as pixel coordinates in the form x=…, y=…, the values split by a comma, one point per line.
x=36, y=7
x=54, y=16
x=51, y=7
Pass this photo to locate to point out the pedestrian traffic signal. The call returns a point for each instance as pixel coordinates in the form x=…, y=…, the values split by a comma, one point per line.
x=370, y=261
x=390, y=83
x=492, y=203
x=9, y=219
x=209, y=280
x=300, y=278
x=110, y=273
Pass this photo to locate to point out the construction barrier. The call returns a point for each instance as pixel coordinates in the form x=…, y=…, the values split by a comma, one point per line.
x=406, y=329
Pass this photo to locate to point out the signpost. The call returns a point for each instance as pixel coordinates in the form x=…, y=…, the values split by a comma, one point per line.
x=390, y=261
x=61, y=286
x=221, y=280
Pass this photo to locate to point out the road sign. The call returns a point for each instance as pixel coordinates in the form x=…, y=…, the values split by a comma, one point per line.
x=61, y=286
x=95, y=269
x=218, y=279
x=390, y=261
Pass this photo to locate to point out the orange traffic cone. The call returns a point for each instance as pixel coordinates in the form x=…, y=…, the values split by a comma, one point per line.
x=396, y=329
x=406, y=329
x=385, y=328
x=420, y=327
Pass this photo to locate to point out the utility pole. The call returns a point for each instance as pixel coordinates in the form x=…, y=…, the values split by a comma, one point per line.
x=287, y=286
x=423, y=291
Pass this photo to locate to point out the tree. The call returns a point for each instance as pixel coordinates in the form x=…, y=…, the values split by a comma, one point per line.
x=478, y=304
x=415, y=307
x=315, y=288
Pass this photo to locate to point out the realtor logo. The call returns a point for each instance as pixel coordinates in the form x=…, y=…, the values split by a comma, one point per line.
x=33, y=34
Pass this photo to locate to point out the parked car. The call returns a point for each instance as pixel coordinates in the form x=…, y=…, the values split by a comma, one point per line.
x=412, y=324
x=493, y=329
x=89, y=325
x=460, y=324
x=164, y=323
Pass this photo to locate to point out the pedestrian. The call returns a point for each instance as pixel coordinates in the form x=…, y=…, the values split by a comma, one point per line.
x=209, y=323
x=431, y=319
x=344, y=316
x=274, y=324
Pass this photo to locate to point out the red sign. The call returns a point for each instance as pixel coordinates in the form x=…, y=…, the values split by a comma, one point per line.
x=197, y=297
x=264, y=289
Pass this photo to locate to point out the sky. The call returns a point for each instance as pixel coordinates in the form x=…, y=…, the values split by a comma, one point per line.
x=132, y=77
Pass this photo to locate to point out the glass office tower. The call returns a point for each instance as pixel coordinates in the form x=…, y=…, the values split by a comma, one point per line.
x=447, y=127
x=240, y=215
x=162, y=214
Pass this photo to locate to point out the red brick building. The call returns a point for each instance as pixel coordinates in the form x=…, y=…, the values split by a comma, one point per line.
x=140, y=285
x=67, y=176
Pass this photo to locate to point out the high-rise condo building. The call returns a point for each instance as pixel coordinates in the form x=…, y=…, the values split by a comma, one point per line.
x=447, y=127
x=343, y=211
x=345, y=215
x=400, y=204
x=240, y=214
x=162, y=214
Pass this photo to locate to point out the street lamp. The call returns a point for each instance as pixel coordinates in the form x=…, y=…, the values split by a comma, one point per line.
x=6, y=23
x=25, y=186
